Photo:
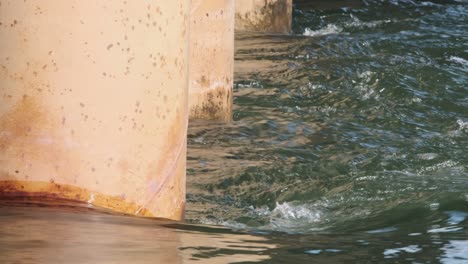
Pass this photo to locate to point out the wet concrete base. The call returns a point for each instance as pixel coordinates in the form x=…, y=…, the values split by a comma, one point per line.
x=213, y=104
x=271, y=16
x=211, y=60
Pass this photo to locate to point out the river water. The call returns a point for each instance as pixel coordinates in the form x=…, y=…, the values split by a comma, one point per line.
x=349, y=135
x=349, y=145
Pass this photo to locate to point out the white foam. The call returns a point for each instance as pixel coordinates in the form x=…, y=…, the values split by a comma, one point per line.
x=463, y=125
x=297, y=212
x=438, y=166
x=329, y=29
x=393, y=252
x=366, y=85
x=253, y=84
x=284, y=217
x=434, y=206
x=292, y=217
x=356, y=22
x=458, y=60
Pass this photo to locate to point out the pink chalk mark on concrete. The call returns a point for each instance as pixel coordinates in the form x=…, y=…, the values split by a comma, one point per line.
x=156, y=186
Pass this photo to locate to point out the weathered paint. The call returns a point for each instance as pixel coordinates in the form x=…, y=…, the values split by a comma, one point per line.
x=93, y=103
x=211, y=59
x=273, y=16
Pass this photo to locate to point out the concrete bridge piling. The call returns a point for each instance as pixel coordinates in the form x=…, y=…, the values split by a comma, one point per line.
x=95, y=96
x=271, y=16
x=211, y=59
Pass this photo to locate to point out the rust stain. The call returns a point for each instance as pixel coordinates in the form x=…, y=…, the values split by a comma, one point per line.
x=204, y=82
x=19, y=122
x=49, y=191
x=28, y=135
x=275, y=16
x=216, y=105
x=29, y=138
x=27, y=121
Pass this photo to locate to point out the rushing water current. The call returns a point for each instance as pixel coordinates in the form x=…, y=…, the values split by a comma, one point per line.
x=349, y=145
x=355, y=124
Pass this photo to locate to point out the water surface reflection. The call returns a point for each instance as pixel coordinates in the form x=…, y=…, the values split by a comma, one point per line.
x=62, y=233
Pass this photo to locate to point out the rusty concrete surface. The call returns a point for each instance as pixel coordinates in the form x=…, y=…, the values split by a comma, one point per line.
x=270, y=16
x=93, y=102
x=211, y=59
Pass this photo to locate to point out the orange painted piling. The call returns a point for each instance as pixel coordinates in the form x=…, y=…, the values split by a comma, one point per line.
x=93, y=103
x=211, y=59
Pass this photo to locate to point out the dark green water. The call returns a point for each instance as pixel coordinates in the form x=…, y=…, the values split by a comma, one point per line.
x=349, y=145
x=351, y=134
